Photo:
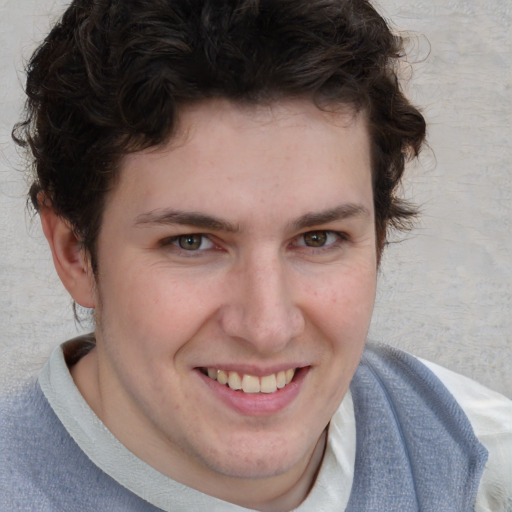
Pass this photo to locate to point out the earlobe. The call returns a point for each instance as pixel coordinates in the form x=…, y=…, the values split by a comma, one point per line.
x=71, y=261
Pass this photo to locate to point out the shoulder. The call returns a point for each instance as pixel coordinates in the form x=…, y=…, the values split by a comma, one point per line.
x=490, y=415
x=22, y=410
x=43, y=469
x=490, y=412
x=25, y=421
x=459, y=406
x=414, y=442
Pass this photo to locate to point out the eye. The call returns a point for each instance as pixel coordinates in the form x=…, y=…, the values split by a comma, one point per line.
x=190, y=242
x=321, y=238
x=315, y=239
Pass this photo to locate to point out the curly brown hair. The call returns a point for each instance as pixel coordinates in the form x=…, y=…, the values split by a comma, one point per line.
x=112, y=75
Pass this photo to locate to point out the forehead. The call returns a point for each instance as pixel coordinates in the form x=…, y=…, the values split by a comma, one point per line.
x=206, y=123
x=288, y=154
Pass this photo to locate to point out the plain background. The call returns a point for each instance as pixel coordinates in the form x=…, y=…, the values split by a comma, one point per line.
x=445, y=291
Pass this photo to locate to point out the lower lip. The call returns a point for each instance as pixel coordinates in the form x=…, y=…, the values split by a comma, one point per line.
x=257, y=404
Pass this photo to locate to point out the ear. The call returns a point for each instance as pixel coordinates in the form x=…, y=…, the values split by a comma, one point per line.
x=69, y=257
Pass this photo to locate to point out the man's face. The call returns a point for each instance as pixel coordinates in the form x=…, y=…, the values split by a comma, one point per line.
x=243, y=251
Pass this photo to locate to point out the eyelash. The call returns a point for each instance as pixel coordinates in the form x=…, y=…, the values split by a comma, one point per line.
x=175, y=241
x=340, y=238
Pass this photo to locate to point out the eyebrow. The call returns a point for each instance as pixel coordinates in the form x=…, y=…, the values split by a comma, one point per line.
x=209, y=222
x=196, y=219
x=341, y=212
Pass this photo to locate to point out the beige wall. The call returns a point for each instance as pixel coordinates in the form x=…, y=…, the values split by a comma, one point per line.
x=445, y=293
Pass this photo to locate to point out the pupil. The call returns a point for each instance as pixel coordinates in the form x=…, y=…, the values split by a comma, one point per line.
x=316, y=238
x=190, y=242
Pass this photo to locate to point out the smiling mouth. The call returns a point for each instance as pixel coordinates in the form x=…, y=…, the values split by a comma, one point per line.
x=251, y=383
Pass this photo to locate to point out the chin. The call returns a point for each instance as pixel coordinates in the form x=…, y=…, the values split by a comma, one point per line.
x=257, y=458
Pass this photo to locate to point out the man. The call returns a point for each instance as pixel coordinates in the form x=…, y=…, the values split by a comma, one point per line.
x=216, y=181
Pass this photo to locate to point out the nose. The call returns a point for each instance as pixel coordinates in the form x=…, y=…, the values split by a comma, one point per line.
x=260, y=307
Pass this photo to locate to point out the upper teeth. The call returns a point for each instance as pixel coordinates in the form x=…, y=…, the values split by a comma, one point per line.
x=250, y=383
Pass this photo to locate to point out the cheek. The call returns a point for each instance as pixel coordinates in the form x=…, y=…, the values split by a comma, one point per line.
x=354, y=284
x=344, y=306
x=152, y=308
x=344, y=322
